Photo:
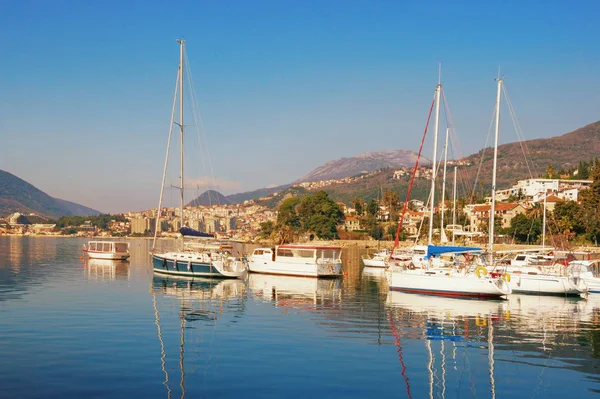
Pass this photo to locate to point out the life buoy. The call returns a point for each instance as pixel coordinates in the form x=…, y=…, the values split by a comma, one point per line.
x=506, y=277
x=481, y=271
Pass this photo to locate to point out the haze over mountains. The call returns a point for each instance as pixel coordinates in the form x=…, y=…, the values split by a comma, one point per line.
x=566, y=151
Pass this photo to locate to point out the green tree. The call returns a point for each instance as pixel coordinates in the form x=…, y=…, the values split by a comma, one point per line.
x=589, y=212
x=266, y=229
x=583, y=170
x=376, y=231
x=524, y=229
x=320, y=214
x=566, y=218
x=359, y=205
x=288, y=221
x=373, y=207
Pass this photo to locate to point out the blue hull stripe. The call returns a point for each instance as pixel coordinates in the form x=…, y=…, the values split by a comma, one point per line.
x=181, y=268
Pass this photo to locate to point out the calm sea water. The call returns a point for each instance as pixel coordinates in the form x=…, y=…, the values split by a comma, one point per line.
x=73, y=328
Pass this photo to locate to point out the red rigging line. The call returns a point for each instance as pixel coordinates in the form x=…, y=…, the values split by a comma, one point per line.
x=394, y=331
x=412, y=180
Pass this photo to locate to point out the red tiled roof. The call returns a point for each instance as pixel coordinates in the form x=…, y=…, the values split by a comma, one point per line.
x=498, y=207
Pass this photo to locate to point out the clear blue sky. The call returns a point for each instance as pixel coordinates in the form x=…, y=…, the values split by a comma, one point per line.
x=86, y=87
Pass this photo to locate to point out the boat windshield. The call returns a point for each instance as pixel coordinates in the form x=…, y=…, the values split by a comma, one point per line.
x=100, y=246
x=296, y=252
x=121, y=247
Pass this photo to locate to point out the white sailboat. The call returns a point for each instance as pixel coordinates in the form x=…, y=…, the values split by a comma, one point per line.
x=526, y=282
x=431, y=279
x=202, y=257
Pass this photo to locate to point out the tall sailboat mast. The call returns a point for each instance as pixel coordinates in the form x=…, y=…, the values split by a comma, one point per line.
x=438, y=90
x=493, y=207
x=442, y=232
x=181, y=48
x=454, y=207
x=544, y=220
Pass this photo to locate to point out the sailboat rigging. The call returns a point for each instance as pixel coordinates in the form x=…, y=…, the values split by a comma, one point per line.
x=200, y=256
x=456, y=280
x=525, y=281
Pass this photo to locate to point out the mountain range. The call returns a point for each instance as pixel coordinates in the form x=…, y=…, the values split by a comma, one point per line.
x=16, y=195
x=520, y=160
x=362, y=163
x=516, y=161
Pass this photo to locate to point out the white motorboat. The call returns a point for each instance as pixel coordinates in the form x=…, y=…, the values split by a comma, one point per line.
x=297, y=260
x=107, y=250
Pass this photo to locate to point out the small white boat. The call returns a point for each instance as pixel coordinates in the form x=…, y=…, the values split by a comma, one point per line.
x=297, y=260
x=107, y=250
x=378, y=259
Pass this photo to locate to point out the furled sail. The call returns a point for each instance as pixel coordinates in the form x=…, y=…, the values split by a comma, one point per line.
x=189, y=232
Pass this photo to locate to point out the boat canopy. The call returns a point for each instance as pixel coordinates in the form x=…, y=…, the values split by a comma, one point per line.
x=189, y=232
x=438, y=250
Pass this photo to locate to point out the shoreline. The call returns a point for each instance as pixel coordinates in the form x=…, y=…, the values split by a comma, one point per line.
x=360, y=244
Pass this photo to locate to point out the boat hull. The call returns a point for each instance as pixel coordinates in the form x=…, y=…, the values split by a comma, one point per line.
x=329, y=269
x=374, y=262
x=169, y=264
x=107, y=255
x=547, y=285
x=447, y=284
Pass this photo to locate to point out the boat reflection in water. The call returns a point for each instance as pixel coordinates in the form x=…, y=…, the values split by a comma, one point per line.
x=461, y=337
x=199, y=288
x=192, y=303
x=106, y=269
x=450, y=330
x=377, y=273
x=295, y=292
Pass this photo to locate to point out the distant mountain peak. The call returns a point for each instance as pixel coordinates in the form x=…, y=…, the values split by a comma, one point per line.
x=208, y=198
x=362, y=163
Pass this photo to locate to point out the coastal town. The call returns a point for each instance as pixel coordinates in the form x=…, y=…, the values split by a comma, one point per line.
x=243, y=221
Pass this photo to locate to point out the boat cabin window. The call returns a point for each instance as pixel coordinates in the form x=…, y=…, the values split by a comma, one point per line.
x=520, y=257
x=298, y=253
x=328, y=254
x=258, y=252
